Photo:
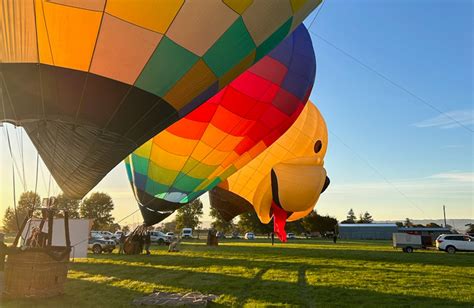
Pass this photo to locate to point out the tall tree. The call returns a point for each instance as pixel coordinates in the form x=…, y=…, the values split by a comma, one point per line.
x=188, y=216
x=365, y=219
x=295, y=227
x=408, y=222
x=317, y=223
x=13, y=219
x=112, y=227
x=98, y=207
x=219, y=223
x=170, y=226
x=249, y=222
x=9, y=221
x=351, y=218
x=65, y=204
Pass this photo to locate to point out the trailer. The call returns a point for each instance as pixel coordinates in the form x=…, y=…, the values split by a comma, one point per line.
x=407, y=242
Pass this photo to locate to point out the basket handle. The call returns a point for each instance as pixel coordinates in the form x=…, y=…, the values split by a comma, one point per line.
x=50, y=227
x=66, y=229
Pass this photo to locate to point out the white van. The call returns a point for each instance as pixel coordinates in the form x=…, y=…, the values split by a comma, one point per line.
x=187, y=233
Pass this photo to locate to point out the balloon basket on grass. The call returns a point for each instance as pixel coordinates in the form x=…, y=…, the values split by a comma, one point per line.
x=134, y=242
x=37, y=269
x=35, y=274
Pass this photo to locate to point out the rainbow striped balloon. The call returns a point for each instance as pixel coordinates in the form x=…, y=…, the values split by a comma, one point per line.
x=226, y=132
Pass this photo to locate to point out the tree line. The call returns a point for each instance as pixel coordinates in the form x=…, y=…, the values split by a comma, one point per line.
x=98, y=207
x=189, y=217
x=365, y=218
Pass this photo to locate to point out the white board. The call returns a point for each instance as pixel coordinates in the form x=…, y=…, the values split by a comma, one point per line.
x=79, y=230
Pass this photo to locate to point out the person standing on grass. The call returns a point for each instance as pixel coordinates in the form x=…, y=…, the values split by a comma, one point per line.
x=121, y=243
x=147, y=240
x=334, y=238
x=3, y=249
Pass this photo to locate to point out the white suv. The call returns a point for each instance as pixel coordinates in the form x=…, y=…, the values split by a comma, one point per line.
x=455, y=242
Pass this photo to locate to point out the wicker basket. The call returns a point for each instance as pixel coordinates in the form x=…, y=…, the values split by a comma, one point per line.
x=34, y=273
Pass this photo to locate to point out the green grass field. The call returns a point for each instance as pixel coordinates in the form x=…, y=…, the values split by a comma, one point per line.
x=299, y=273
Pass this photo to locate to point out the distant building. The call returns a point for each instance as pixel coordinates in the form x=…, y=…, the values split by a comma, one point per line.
x=384, y=231
x=372, y=231
x=433, y=232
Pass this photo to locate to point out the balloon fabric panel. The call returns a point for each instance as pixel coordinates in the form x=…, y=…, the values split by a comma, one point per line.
x=90, y=81
x=230, y=129
x=297, y=165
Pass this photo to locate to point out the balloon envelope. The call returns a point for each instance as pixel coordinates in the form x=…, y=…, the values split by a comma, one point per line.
x=290, y=173
x=196, y=153
x=90, y=81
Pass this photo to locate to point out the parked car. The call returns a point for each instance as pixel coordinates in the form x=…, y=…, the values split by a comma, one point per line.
x=160, y=238
x=235, y=235
x=249, y=236
x=103, y=234
x=187, y=233
x=220, y=234
x=98, y=245
x=170, y=235
x=118, y=235
x=455, y=242
x=290, y=236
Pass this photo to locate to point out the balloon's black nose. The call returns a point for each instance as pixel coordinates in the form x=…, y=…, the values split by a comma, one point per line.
x=326, y=184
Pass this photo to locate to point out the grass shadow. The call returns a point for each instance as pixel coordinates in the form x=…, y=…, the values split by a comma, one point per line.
x=245, y=289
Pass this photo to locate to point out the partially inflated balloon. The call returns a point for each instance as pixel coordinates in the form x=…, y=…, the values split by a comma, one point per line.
x=283, y=182
x=229, y=130
x=92, y=80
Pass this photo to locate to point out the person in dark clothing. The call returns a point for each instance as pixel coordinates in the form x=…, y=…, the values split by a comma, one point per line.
x=273, y=238
x=147, y=240
x=121, y=243
x=334, y=238
x=140, y=240
x=3, y=249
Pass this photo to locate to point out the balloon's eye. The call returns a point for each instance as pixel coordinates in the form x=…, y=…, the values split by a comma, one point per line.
x=318, y=145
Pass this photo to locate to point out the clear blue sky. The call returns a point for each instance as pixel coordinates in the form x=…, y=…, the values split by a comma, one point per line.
x=427, y=47
x=389, y=153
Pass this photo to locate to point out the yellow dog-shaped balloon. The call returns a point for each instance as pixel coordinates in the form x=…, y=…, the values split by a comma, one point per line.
x=285, y=181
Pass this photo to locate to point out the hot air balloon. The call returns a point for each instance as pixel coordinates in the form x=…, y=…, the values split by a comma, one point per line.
x=218, y=138
x=283, y=182
x=90, y=81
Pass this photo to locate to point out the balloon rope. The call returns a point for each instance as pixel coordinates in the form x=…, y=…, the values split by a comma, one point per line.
x=14, y=198
x=36, y=175
x=393, y=83
x=7, y=135
x=34, y=201
x=22, y=156
x=379, y=173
